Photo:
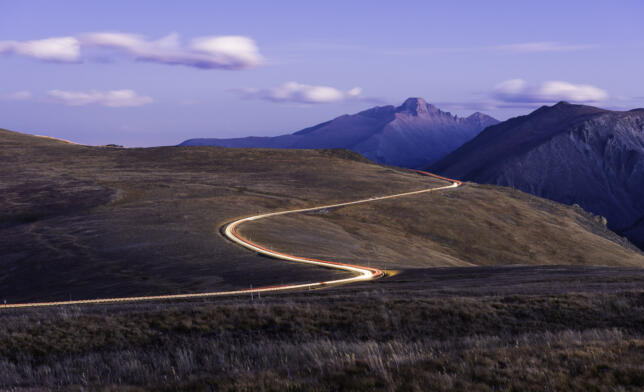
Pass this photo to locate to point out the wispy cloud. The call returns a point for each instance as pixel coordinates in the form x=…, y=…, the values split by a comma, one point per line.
x=22, y=95
x=57, y=49
x=225, y=52
x=547, y=46
x=519, y=91
x=113, y=98
x=301, y=93
x=520, y=47
x=211, y=52
x=519, y=94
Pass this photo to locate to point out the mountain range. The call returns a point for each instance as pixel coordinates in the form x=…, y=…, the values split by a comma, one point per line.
x=574, y=154
x=414, y=134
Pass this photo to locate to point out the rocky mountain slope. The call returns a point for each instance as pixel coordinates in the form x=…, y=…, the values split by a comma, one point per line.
x=573, y=154
x=414, y=134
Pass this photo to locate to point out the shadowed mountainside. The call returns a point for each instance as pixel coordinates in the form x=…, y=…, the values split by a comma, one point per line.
x=91, y=222
x=413, y=134
x=568, y=153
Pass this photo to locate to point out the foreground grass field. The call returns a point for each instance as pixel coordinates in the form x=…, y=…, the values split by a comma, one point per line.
x=446, y=329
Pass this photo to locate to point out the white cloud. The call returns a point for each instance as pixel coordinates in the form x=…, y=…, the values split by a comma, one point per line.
x=512, y=86
x=518, y=90
x=354, y=92
x=17, y=96
x=572, y=92
x=224, y=52
x=59, y=49
x=113, y=98
x=211, y=52
x=233, y=51
x=301, y=93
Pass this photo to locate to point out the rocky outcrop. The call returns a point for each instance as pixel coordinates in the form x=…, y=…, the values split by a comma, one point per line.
x=568, y=153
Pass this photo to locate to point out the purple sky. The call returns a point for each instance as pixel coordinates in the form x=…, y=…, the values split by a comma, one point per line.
x=155, y=73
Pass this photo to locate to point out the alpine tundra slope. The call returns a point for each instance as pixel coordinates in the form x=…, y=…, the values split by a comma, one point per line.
x=230, y=231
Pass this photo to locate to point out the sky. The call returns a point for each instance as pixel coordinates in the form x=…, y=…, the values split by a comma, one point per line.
x=146, y=73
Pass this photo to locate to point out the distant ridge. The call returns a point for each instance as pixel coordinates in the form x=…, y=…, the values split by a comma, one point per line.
x=414, y=134
x=568, y=153
x=57, y=139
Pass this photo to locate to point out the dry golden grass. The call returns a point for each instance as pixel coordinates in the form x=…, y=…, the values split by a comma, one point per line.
x=472, y=225
x=388, y=335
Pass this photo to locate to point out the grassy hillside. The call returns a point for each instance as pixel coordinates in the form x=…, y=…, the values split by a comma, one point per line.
x=472, y=225
x=85, y=222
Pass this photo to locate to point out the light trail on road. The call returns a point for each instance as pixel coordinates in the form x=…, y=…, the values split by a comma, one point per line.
x=230, y=231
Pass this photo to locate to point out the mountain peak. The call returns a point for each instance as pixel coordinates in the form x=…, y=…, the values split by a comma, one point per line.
x=416, y=106
x=482, y=119
x=413, y=134
x=413, y=102
x=477, y=115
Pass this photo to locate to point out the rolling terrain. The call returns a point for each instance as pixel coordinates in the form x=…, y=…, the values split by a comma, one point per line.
x=573, y=154
x=413, y=135
x=88, y=222
x=475, y=225
x=455, y=314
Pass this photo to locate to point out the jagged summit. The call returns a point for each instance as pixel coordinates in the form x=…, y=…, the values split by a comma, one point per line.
x=415, y=106
x=413, y=134
x=412, y=102
x=420, y=107
x=482, y=117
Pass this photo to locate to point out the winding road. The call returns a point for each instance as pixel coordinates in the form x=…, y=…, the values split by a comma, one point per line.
x=230, y=231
